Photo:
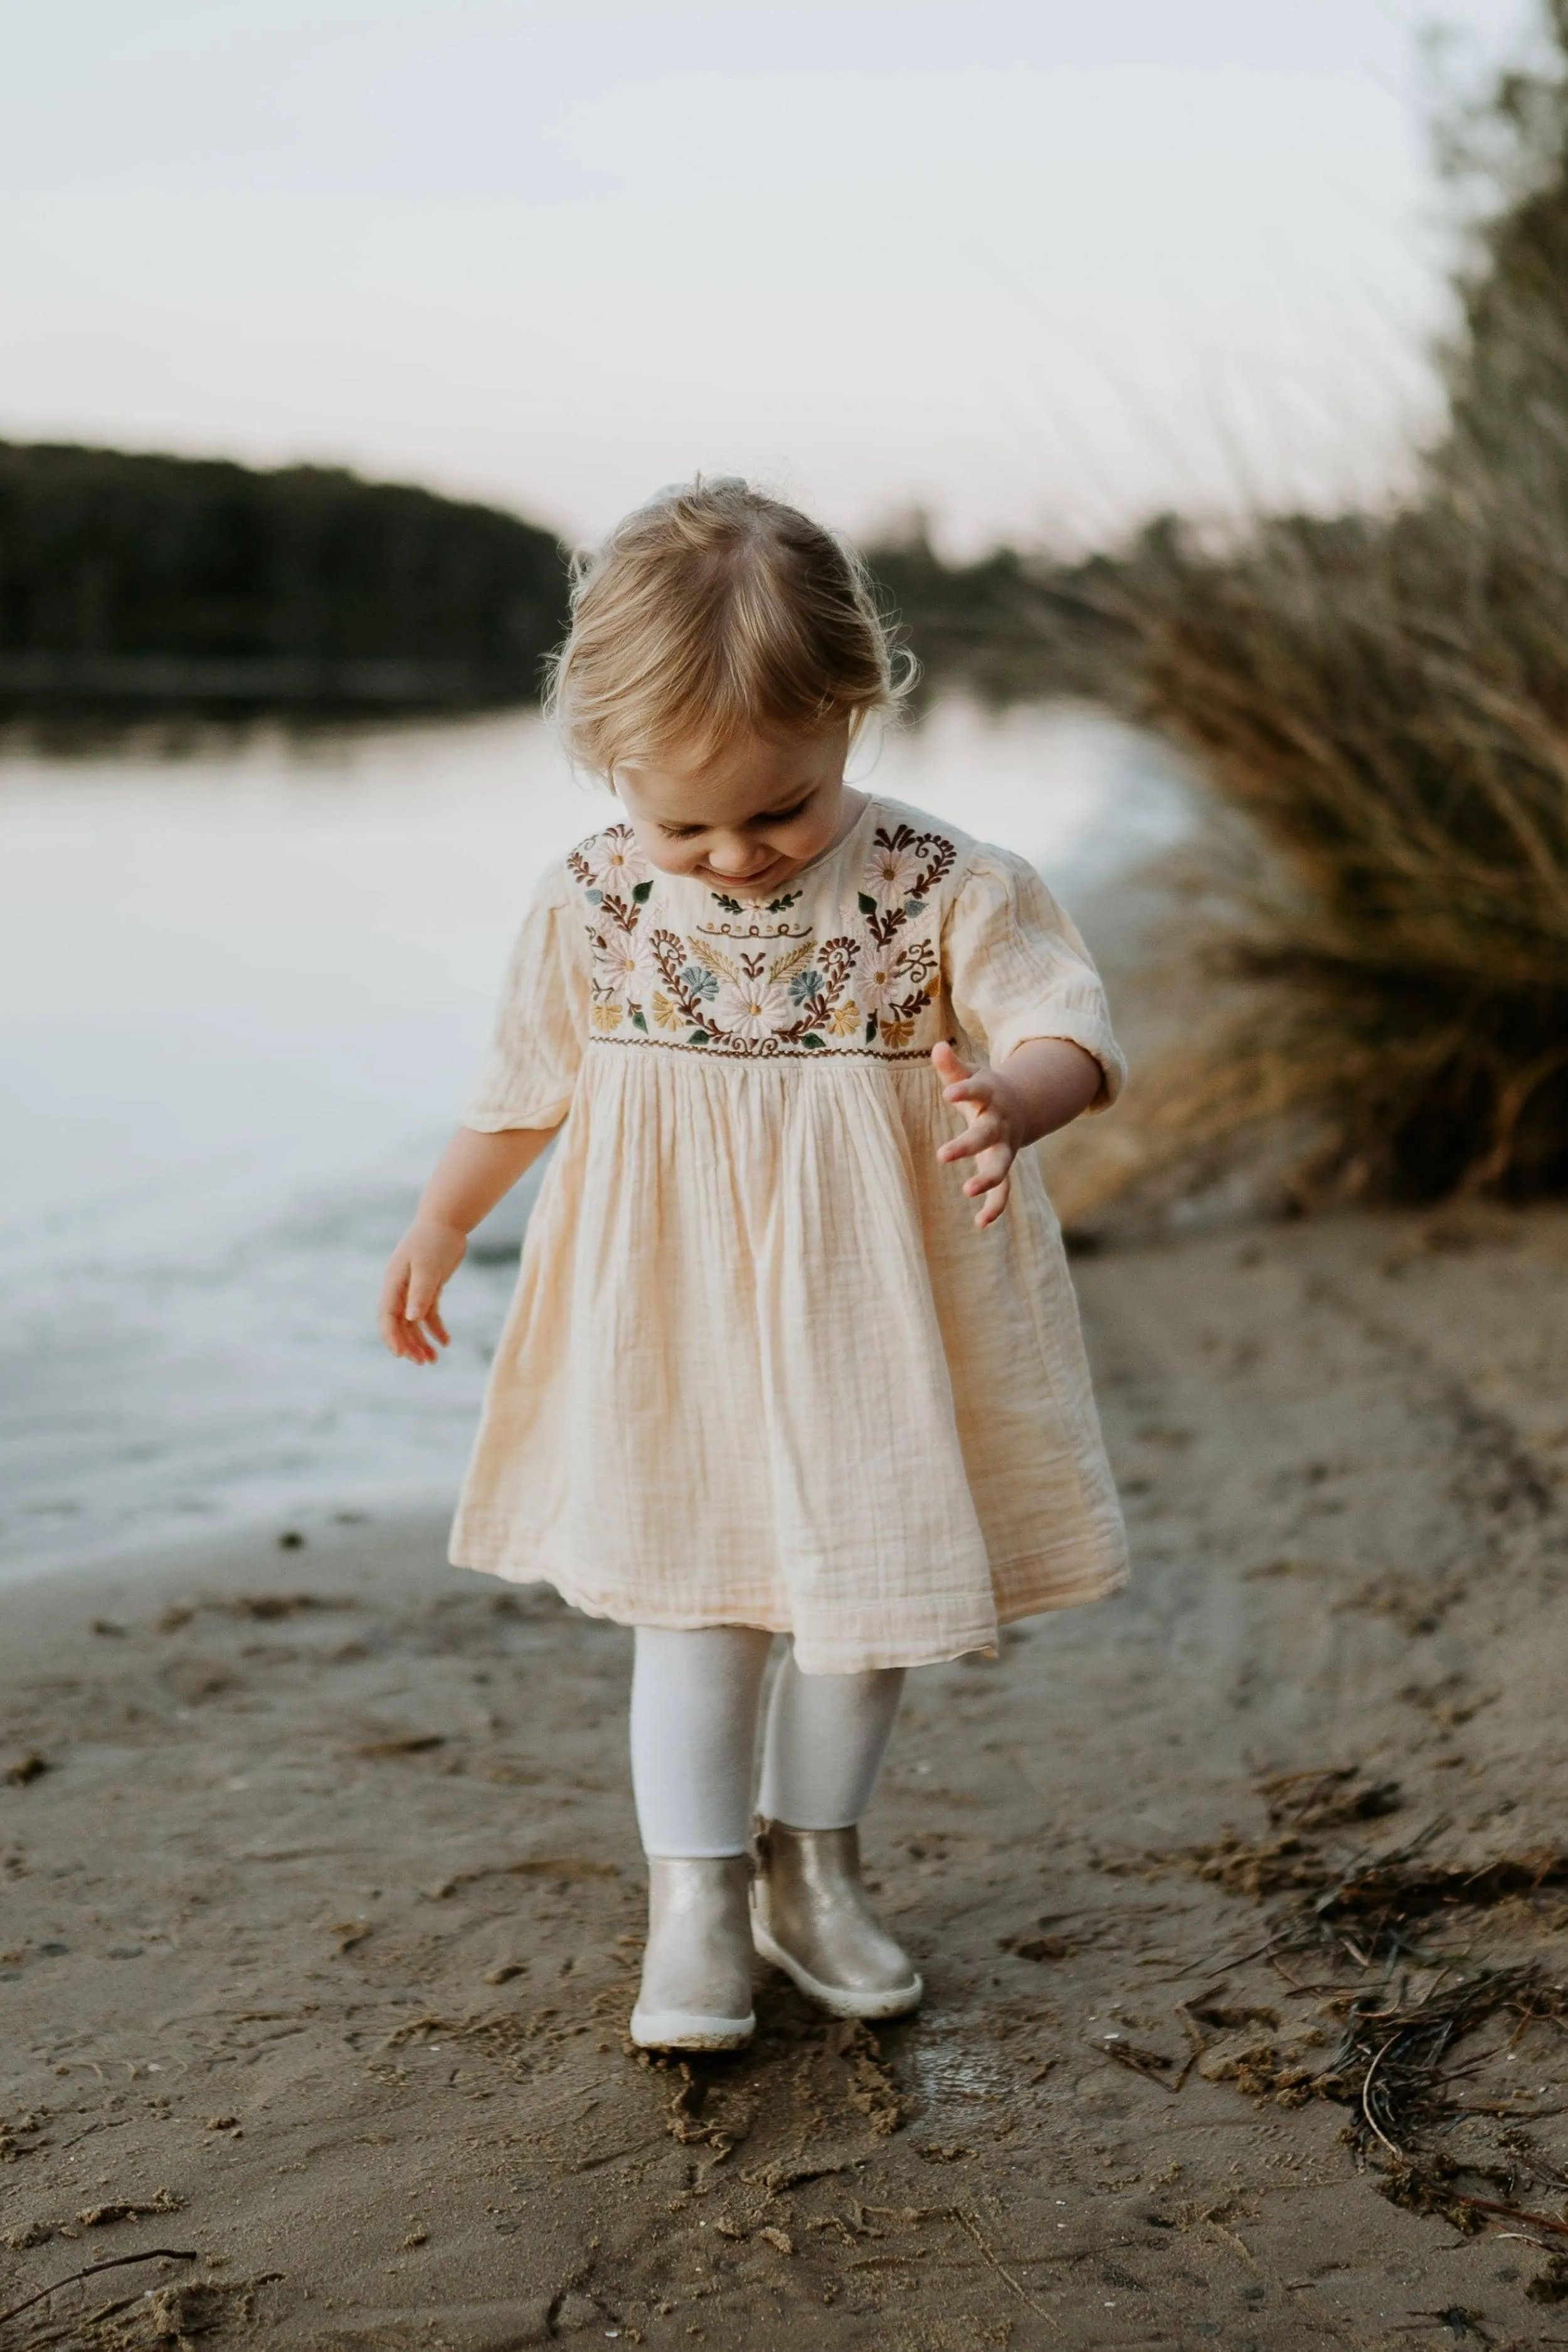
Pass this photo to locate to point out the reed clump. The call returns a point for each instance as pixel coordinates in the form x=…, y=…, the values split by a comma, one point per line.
x=1384, y=698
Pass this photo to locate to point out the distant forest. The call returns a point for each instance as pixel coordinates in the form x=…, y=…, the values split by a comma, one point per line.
x=172, y=580
x=154, y=578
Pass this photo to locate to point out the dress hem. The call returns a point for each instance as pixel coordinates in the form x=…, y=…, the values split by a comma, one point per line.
x=819, y=1657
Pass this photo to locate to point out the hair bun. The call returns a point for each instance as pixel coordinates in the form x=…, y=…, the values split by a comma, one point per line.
x=670, y=492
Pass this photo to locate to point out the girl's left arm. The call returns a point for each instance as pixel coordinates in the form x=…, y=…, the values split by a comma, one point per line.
x=1026, y=992
x=1044, y=1084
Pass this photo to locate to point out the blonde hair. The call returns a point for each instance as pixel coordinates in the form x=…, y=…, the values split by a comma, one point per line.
x=714, y=612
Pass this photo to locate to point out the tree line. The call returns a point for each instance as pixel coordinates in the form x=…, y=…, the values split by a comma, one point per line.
x=157, y=577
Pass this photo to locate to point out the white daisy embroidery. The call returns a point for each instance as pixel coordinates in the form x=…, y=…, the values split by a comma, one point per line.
x=887, y=974
x=890, y=873
x=751, y=1008
x=615, y=862
x=623, y=965
x=878, y=984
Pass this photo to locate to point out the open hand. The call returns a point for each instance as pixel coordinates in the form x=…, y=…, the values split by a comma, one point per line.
x=994, y=1131
x=418, y=1270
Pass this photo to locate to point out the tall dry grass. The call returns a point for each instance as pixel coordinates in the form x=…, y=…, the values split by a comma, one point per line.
x=1384, y=700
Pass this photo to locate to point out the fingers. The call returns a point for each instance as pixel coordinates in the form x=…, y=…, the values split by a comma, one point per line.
x=421, y=1328
x=975, y=1095
x=986, y=1131
x=414, y=1344
x=987, y=1137
x=409, y=1315
x=994, y=1169
x=990, y=1181
x=413, y=1340
x=422, y=1315
x=389, y=1312
x=406, y=1338
x=994, y=1202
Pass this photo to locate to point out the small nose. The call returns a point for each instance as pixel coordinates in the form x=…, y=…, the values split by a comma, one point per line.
x=739, y=859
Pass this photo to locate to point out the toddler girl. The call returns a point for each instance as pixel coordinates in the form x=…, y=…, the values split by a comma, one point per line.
x=778, y=1361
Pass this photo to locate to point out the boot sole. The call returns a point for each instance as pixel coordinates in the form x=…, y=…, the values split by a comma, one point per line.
x=677, y=2029
x=838, y=2000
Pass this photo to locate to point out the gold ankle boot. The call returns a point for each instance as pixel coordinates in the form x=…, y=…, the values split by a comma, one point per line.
x=696, y=1989
x=812, y=1916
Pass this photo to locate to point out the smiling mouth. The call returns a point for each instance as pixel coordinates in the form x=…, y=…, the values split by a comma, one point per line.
x=778, y=871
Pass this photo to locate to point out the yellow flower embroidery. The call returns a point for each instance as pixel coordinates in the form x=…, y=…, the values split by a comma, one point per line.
x=845, y=1019
x=605, y=1016
x=896, y=1034
x=664, y=1012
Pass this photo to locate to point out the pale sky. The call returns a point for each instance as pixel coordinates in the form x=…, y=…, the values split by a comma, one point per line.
x=1039, y=265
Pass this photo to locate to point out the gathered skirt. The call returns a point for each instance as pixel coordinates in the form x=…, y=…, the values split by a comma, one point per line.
x=761, y=1369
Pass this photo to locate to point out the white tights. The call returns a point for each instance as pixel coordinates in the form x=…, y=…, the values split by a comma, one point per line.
x=694, y=1735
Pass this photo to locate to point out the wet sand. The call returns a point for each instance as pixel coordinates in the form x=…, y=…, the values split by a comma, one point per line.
x=322, y=1901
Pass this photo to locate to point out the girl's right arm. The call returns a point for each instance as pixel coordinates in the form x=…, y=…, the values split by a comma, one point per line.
x=470, y=1177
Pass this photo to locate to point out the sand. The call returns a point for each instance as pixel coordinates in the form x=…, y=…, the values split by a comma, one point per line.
x=321, y=1898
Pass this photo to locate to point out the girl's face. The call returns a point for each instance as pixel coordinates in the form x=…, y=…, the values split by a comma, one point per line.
x=745, y=819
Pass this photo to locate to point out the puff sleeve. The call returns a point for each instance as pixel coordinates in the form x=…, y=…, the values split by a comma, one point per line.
x=528, y=1076
x=1016, y=969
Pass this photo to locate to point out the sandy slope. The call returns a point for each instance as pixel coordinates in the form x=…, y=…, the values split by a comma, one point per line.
x=319, y=1927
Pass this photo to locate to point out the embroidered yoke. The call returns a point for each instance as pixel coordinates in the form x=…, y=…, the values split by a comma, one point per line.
x=761, y=1368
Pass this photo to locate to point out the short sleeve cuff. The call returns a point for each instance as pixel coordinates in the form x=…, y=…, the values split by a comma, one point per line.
x=491, y=1112
x=1078, y=1026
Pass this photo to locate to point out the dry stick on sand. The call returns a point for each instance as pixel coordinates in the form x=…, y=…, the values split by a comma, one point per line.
x=1366, y=2098
x=1510, y=2212
x=115, y=2262
x=967, y=2222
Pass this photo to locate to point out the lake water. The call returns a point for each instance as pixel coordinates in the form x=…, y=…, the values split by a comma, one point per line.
x=242, y=985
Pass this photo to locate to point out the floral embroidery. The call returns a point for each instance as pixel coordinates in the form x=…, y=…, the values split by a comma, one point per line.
x=757, y=987
x=622, y=963
x=901, y=872
x=751, y=1008
x=734, y=906
x=898, y=977
x=744, y=999
x=611, y=861
x=892, y=869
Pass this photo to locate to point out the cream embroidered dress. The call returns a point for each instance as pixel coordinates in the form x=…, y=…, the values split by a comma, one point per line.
x=761, y=1368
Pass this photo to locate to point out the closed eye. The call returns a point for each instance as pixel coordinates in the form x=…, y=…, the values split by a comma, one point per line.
x=768, y=816
x=785, y=816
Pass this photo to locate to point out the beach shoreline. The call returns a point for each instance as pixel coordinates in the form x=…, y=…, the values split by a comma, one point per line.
x=322, y=1892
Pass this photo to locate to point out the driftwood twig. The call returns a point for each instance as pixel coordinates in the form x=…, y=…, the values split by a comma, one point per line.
x=115, y=2261
x=967, y=2222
